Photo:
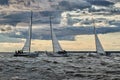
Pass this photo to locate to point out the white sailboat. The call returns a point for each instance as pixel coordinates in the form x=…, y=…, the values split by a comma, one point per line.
x=98, y=44
x=27, y=46
x=57, y=50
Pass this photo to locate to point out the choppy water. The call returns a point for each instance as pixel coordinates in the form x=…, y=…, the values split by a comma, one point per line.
x=75, y=67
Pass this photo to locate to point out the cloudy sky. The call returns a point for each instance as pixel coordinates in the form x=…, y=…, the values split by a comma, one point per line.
x=72, y=23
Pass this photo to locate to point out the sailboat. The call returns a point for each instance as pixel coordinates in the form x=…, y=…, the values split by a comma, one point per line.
x=27, y=46
x=57, y=50
x=99, y=48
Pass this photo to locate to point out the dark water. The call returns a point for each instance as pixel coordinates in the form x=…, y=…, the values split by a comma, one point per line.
x=74, y=67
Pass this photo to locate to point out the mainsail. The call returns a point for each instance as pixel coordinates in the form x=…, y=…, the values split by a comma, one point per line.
x=99, y=47
x=27, y=45
x=55, y=43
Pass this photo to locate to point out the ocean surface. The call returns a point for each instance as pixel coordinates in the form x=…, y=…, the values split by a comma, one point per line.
x=74, y=67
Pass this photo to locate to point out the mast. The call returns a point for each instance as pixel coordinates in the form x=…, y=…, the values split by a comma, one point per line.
x=95, y=34
x=27, y=45
x=30, y=31
x=52, y=33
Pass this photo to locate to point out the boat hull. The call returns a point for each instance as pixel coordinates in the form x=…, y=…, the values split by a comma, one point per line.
x=26, y=55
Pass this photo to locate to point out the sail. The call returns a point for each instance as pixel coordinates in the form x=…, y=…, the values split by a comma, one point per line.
x=99, y=47
x=27, y=45
x=55, y=43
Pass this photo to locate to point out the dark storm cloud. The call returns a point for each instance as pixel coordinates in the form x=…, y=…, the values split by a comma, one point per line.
x=73, y=4
x=3, y=2
x=67, y=33
x=14, y=17
x=100, y=2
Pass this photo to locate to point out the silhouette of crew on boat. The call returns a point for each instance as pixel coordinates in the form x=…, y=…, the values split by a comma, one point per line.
x=19, y=52
x=62, y=52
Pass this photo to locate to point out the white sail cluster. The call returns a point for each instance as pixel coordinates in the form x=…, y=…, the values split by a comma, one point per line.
x=55, y=43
